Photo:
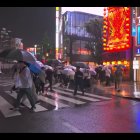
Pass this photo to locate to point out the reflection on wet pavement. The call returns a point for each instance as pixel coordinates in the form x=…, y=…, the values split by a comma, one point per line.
x=130, y=90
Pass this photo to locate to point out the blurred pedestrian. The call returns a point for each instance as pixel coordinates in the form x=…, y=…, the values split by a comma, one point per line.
x=78, y=79
x=25, y=86
x=107, y=76
x=118, y=78
x=42, y=77
x=49, y=77
x=87, y=77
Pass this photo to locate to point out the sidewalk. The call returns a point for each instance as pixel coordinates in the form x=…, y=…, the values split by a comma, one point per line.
x=129, y=90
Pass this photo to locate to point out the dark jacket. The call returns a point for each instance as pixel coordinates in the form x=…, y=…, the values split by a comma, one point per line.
x=78, y=76
x=49, y=74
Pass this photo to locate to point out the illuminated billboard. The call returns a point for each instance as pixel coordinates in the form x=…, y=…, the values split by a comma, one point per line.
x=116, y=29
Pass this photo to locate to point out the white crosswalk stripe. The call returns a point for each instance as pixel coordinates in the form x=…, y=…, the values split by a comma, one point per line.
x=6, y=82
x=92, y=95
x=26, y=103
x=60, y=98
x=80, y=96
x=5, y=108
x=55, y=103
x=75, y=101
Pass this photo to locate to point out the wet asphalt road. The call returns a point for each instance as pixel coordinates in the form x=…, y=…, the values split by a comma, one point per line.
x=117, y=115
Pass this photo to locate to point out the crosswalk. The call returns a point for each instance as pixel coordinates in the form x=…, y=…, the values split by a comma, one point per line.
x=60, y=98
x=6, y=82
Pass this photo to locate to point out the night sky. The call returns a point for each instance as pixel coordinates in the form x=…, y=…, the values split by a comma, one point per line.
x=29, y=23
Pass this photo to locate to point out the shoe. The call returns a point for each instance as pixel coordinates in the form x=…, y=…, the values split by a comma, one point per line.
x=15, y=109
x=22, y=105
x=37, y=102
x=51, y=90
x=118, y=90
x=33, y=108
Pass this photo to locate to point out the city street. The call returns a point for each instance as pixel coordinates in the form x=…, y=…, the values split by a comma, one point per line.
x=61, y=112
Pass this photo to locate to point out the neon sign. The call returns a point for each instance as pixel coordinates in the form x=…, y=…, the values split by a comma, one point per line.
x=116, y=29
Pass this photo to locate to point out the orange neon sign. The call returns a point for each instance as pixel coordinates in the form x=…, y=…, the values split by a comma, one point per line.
x=116, y=29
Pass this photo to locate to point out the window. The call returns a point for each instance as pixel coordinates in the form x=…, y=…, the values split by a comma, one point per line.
x=76, y=47
x=84, y=50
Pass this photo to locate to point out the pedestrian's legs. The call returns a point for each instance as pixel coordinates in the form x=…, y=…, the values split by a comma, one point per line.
x=24, y=97
x=118, y=84
x=81, y=86
x=33, y=93
x=115, y=84
x=13, y=88
x=19, y=97
x=42, y=87
x=50, y=82
x=75, y=88
x=107, y=80
x=29, y=96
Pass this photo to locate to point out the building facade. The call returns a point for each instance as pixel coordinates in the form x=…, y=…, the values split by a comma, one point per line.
x=136, y=39
x=75, y=36
x=117, y=38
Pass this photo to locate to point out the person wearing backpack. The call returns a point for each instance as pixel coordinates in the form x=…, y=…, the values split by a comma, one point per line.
x=118, y=78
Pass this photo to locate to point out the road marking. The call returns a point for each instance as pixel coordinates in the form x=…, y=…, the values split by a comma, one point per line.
x=80, y=96
x=27, y=103
x=46, y=85
x=69, y=99
x=92, y=95
x=134, y=102
x=52, y=102
x=6, y=84
x=72, y=128
x=5, y=109
x=56, y=85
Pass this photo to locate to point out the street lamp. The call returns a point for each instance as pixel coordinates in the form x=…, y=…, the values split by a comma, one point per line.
x=47, y=54
x=35, y=48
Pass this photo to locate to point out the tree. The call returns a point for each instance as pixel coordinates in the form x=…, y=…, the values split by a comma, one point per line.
x=94, y=28
x=47, y=47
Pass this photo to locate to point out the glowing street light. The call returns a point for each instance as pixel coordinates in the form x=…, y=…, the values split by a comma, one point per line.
x=35, y=48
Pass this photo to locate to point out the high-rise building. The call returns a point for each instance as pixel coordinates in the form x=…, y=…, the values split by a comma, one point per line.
x=75, y=36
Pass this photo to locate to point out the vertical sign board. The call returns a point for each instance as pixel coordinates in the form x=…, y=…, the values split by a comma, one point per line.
x=135, y=64
x=133, y=14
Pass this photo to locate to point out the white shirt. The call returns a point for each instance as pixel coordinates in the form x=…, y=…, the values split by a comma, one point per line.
x=107, y=72
x=25, y=78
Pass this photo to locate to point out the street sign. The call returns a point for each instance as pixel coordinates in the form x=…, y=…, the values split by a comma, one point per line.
x=135, y=64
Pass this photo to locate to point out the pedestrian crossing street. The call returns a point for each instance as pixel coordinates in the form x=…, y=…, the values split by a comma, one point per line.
x=60, y=98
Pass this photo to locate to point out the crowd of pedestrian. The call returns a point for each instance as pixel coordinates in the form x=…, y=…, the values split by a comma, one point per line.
x=29, y=84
